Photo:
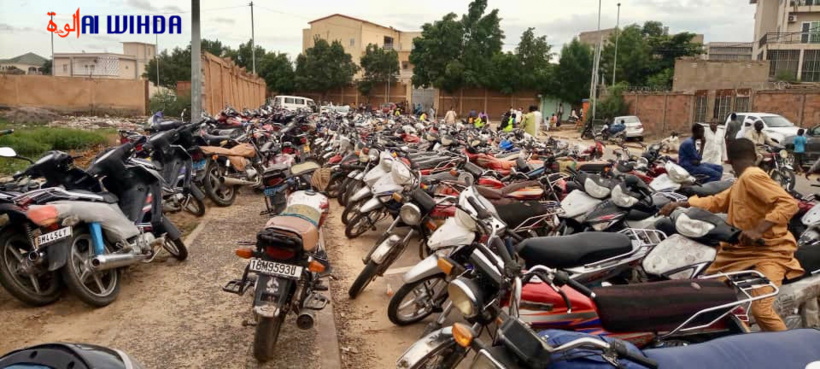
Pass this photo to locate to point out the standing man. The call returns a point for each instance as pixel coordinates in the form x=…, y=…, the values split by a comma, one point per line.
x=732, y=128
x=560, y=113
x=713, y=145
x=519, y=116
x=528, y=122
x=690, y=159
x=761, y=209
x=450, y=117
x=539, y=120
x=431, y=113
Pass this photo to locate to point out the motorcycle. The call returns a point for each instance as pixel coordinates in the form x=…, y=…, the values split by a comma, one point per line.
x=288, y=260
x=778, y=164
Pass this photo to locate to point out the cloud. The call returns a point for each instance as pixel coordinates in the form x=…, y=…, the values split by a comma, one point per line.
x=9, y=28
x=224, y=20
x=141, y=5
x=172, y=9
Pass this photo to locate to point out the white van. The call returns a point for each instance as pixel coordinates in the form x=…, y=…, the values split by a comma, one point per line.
x=294, y=102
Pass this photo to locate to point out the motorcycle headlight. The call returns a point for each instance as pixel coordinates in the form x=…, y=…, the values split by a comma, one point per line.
x=363, y=157
x=466, y=296
x=410, y=214
x=465, y=220
x=692, y=227
x=621, y=199
x=784, y=154
x=386, y=164
x=595, y=190
x=401, y=174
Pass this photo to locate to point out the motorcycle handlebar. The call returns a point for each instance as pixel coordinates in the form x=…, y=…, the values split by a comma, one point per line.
x=480, y=211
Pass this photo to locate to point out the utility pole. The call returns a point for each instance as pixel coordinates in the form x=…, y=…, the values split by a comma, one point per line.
x=253, y=41
x=596, y=65
x=617, y=36
x=196, y=64
x=52, y=48
x=156, y=57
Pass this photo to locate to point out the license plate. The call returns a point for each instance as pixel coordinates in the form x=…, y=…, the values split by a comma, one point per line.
x=271, y=191
x=307, y=148
x=53, y=236
x=276, y=269
x=200, y=165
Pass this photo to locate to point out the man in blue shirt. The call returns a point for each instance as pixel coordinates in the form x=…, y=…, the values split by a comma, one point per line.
x=690, y=159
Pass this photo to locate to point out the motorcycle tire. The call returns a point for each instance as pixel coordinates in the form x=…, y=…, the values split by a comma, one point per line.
x=195, y=206
x=447, y=357
x=214, y=188
x=354, y=187
x=785, y=177
x=81, y=244
x=343, y=190
x=351, y=210
x=367, y=275
x=409, y=288
x=265, y=337
x=356, y=228
x=333, y=188
x=18, y=286
x=176, y=248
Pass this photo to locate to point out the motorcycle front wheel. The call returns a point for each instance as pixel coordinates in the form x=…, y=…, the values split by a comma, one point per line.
x=367, y=275
x=95, y=288
x=351, y=210
x=24, y=281
x=785, y=177
x=265, y=337
x=195, y=206
x=358, y=225
x=176, y=248
x=415, y=301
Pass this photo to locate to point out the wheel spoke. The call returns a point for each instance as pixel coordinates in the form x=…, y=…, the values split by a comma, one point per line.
x=84, y=275
x=99, y=283
x=35, y=283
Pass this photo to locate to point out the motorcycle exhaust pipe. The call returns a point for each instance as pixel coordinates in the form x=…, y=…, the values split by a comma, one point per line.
x=306, y=319
x=35, y=257
x=113, y=261
x=237, y=182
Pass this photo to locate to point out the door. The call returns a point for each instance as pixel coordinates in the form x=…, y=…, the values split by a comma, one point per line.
x=425, y=97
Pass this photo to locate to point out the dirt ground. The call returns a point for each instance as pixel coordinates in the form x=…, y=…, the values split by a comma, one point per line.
x=172, y=314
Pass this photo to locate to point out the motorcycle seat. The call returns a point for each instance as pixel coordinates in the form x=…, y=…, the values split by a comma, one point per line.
x=516, y=213
x=495, y=194
x=661, y=306
x=302, y=228
x=241, y=150
x=215, y=140
x=108, y=197
x=625, y=167
x=573, y=251
x=789, y=349
x=707, y=189
x=167, y=125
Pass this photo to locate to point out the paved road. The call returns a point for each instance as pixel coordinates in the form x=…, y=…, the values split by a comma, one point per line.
x=175, y=315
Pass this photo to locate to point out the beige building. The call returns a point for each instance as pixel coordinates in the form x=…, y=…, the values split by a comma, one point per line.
x=29, y=63
x=128, y=65
x=729, y=51
x=592, y=38
x=355, y=34
x=787, y=33
x=693, y=74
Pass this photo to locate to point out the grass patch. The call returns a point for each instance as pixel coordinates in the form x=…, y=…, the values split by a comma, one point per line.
x=32, y=142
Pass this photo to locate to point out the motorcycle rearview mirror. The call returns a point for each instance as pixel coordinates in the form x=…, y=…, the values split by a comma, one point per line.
x=8, y=152
x=466, y=178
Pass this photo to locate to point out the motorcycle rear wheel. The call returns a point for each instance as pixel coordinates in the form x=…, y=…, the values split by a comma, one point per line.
x=265, y=337
x=220, y=194
x=41, y=290
x=78, y=276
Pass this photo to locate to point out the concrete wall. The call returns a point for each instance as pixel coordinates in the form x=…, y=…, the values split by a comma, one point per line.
x=143, y=53
x=225, y=83
x=696, y=74
x=494, y=103
x=399, y=92
x=73, y=95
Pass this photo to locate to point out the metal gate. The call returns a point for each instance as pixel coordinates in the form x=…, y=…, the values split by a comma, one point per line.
x=423, y=96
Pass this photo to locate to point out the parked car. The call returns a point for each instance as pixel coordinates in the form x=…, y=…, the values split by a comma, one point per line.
x=294, y=102
x=634, y=127
x=812, y=145
x=778, y=127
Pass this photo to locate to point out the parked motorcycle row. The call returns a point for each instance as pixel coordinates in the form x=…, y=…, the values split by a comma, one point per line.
x=546, y=247
x=543, y=253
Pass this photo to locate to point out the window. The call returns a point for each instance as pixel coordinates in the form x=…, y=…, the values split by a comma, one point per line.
x=405, y=65
x=701, y=102
x=352, y=42
x=300, y=101
x=811, y=66
x=65, y=68
x=723, y=105
x=289, y=100
x=741, y=103
x=777, y=121
x=810, y=32
x=783, y=62
x=388, y=43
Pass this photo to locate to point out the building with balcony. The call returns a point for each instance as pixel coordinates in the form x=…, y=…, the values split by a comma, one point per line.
x=355, y=34
x=787, y=33
x=728, y=51
x=128, y=65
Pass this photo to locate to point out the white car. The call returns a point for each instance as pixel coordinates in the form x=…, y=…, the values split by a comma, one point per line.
x=294, y=102
x=634, y=127
x=776, y=126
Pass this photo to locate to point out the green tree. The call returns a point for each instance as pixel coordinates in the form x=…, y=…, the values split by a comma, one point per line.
x=613, y=104
x=324, y=67
x=454, y=53
x=634, y=56
x=242, y=55
x=46, y=69
x=215, y=47
x=506, y=73
x=534, y=54
x=573, y=73
x=277, y=70
x=174, y=66
x=379, y=66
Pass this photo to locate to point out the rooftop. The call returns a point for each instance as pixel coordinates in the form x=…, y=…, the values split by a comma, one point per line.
x=27, y=59
x=351, y=18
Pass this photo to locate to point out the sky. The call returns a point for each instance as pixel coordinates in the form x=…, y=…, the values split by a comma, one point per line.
x=279, y=24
